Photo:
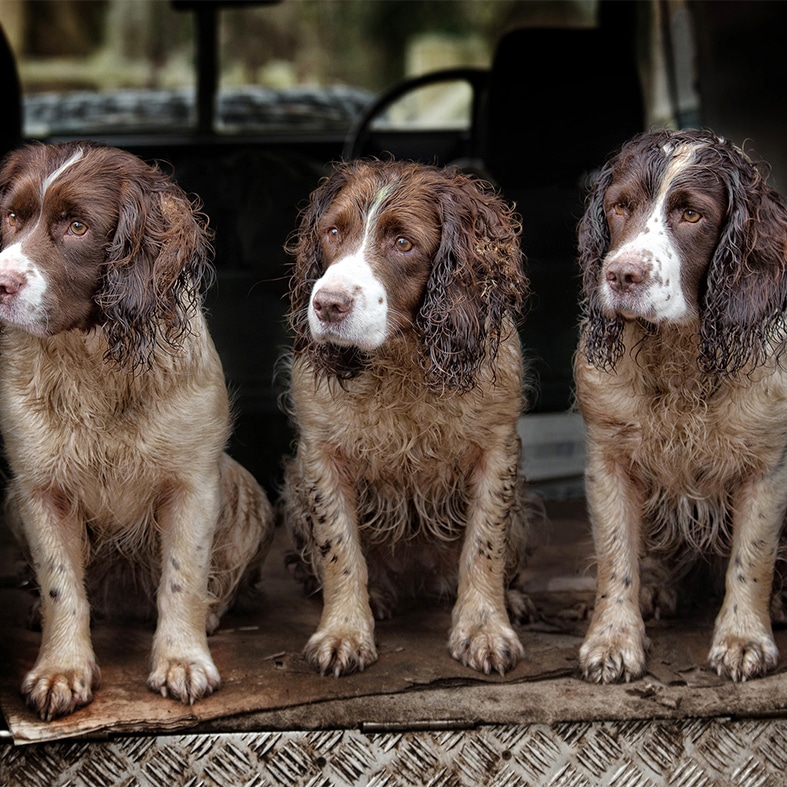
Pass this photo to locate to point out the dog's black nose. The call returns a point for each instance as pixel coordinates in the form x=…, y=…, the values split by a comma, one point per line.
x=332, y=305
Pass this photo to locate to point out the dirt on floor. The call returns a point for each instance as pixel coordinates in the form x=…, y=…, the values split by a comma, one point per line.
x=266, y=683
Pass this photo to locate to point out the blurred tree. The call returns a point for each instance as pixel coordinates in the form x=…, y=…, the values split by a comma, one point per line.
x=358, y=42
x=56, y=28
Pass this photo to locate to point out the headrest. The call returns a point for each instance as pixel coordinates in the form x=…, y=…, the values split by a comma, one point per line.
x=11, y=127
x=559, y=101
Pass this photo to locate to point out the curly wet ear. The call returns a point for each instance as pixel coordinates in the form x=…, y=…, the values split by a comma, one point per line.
x=476, y=282
x=602, y=335
x=743, y=312
x=157, y=264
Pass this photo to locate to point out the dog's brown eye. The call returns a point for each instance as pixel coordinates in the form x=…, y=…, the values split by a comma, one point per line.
x=403, y=244
x=10, y=217
x=691, y=216
x=77, y=228
x=620, y=209
x=332, y=235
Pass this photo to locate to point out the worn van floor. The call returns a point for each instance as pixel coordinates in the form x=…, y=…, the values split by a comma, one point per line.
x=267, y=685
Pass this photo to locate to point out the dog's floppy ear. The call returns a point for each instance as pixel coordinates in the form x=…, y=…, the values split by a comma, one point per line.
x=308, y=267
x=743, y=311
x=477, y=280
x=601, y=334
x=157, y=264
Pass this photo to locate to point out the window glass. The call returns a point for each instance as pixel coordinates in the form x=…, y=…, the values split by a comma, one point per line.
x=130, y=66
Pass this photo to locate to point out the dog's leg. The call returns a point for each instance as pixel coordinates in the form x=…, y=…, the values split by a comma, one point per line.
x=242, y=540
x=65, y=672
x=615, y=644
x=743, y=646
x=344, y=640
x=182, y=666
x=481, y=636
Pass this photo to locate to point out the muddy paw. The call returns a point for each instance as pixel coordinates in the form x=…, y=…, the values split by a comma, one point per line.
x=613, y=656
x=741, y=659
x=340, y=653
x=486, y=648
x=183, y=679
x=54, y=693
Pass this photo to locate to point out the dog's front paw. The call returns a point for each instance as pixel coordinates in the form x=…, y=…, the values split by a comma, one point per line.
x=741, y=658
x=488, y=647
x=335, y=652
x=613, y=654
x=184, y=679
x=57, y=692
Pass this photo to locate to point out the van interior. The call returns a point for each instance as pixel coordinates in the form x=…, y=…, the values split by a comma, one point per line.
x=248, y=104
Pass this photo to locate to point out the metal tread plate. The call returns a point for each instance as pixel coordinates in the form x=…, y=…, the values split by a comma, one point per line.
x=687, y=752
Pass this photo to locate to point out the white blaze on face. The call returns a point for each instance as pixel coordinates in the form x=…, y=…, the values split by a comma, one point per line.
x=655, y=248
x=53, y=176
x=352, y=281
x=23, y=285
x=22, y=290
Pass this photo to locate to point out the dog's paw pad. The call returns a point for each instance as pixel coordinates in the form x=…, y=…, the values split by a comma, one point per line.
x=486, y=648
x=742, y=659
x=340, y=654
x=185, y=680
x=56, y=693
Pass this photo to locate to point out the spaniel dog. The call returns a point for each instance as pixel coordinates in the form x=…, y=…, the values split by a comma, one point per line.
x=680, y=381
x=114, y=414
x=406, y=388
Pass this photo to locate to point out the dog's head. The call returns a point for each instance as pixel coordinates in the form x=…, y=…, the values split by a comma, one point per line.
x=388, y=248
x=680, y=227
x=93, y=236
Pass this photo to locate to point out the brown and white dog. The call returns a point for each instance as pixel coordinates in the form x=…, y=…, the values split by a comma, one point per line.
x=682, y=386
x=406, y=388
x=114, y=413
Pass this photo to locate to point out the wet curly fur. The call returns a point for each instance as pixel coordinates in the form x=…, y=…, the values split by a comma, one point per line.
x=114, y=414
x=407, y=468
x=686, y=416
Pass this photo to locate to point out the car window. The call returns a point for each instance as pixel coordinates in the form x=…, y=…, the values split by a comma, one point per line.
x=299, y=66
x=447, y=105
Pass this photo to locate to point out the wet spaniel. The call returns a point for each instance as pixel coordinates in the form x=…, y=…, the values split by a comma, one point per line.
x=114, y=414
x=406, y=387
x=681, y=381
